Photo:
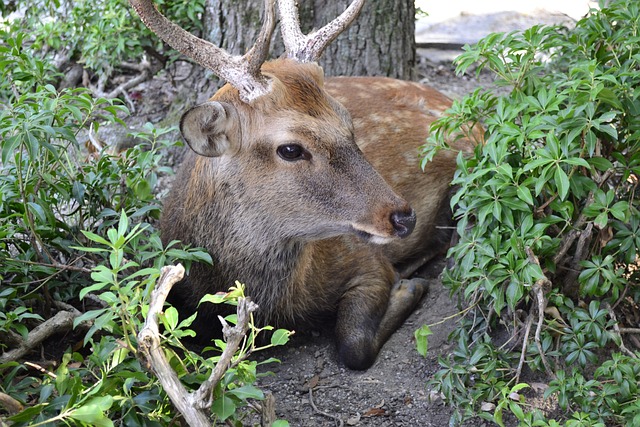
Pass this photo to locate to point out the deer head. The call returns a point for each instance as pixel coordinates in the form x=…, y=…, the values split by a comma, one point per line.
x=275, y=143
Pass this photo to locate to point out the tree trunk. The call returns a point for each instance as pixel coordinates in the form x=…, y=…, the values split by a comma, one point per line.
x=380, y=42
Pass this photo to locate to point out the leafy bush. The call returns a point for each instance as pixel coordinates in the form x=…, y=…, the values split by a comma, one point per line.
x=104, y=35
x=78, y=244
x=548, y=220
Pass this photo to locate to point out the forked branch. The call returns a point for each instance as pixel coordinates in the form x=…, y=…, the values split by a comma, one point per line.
x=194, y=406
x=309, y=48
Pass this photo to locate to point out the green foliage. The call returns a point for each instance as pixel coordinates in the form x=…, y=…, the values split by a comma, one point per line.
x=547, y=213
x=77, y=235
x=103, y=34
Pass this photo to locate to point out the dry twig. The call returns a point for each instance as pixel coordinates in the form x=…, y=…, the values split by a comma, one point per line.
x=616, y=331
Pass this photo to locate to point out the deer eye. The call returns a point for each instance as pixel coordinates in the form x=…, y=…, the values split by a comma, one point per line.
x=292, y=152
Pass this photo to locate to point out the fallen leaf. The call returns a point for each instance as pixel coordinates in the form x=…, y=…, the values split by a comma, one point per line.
x=374, y=412
x=487, y=407
x=312, y=383
x=515, y=396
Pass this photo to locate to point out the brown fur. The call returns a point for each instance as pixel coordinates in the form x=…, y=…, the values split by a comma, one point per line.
x=299, y=234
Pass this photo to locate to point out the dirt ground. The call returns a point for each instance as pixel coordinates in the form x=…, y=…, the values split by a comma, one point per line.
x=312, y=389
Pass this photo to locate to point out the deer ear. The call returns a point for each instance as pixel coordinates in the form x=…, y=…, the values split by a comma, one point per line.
x=211, y=129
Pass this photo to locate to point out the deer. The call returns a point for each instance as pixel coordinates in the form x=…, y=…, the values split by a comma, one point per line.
x=307, y=189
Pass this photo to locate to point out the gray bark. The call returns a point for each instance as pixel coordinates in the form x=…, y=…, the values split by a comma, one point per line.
x=380, y=42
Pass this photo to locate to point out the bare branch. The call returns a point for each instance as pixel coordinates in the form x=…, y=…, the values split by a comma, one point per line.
x=233, y=337
x=61, y=322
x=194, y=406
x=268, y=410
x=152, y=356
x=617, y=332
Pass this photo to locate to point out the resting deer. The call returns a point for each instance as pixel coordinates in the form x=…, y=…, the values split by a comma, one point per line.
x=308, y=190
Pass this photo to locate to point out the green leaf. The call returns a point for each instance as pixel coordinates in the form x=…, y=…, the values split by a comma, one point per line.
x=36, y=209
x=619, y=210
x=247, y=392
x=280, y=337
x=601, y=163
x=89, y=315
x=514, y=293
x=562, y=182
x=170, y=318
x=422, y=339
x=95, y=238
x=223, y=407
x=92, y=412
x=29, y=414
x=77, y=191
x=99, y=285
x=524, y=194
x=218, y=298
x=601, y=220
x=123, y=224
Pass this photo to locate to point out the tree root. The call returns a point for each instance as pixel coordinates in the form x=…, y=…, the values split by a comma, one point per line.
x=539, y=289
x=146, y=73
x=523, y=353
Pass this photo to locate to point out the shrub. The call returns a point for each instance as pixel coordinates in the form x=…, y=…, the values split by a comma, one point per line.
x=103, y=35
x=548, y=219
x=78, y=248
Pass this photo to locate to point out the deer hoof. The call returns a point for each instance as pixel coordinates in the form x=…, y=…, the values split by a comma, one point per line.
x=410, y=289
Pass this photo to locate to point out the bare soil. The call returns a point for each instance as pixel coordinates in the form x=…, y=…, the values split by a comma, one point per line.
x=312, y=389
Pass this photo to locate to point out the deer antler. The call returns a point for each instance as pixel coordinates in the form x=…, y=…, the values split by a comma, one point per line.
x=242, y=72
x=309, y=48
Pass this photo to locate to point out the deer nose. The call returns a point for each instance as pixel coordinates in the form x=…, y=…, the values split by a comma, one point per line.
x=403, y=222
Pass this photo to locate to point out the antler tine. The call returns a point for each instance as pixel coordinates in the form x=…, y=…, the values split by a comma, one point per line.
x=309, y=48
x=242, y=72
x=260, y=50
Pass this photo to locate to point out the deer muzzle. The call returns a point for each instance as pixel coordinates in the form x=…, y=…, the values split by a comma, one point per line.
x=403, y=222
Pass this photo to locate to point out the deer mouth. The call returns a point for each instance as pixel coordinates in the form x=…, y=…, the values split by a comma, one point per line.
x=372, y=238
x=402, y=224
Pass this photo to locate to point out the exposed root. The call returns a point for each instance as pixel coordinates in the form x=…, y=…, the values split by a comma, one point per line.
x=539, y=289
x=144, y=68
x=525, y=343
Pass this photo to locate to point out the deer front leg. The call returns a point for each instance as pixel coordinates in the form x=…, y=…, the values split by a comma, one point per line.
x=369, y=313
